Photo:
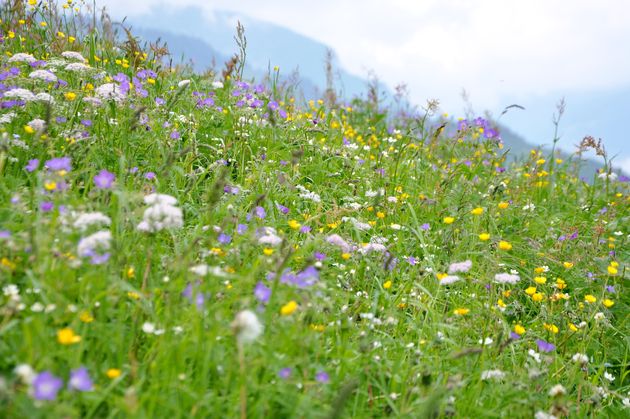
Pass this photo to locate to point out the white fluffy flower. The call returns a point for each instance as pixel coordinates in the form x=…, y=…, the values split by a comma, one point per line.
x=148, y=328
x=580, y=358
x=72, y=55
x=544, y=415
x=7, y=117
x=610, y=176
x=37, y=124
x=25, y=372
x=162, y=214
x=506, y=278
x=22, y=57
x=557, y=390
x=78, y=67
x=492, y=375
x=460, y=267
x=109, y=91
x=183, y=83
x=269, y=237
x=101, y=240
x=338, y=241
x=44, y=75
x=246, y=326
x=372, y=247
x=88, y=219
x=608, y=376
x=217, y=84
x=19, y=93
x=44, y=97
x=449, y=279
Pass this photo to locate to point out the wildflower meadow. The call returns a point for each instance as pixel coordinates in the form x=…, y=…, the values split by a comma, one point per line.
x=202, y=245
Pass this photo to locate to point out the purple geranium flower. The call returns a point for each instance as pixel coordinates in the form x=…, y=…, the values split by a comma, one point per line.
x=80, y=380
x=241, y=228
x=59, y=163
x=149, y=176
x=544, y=346
x=282, y=208
x=285, y=373
x=224, y=238
x=260, y=212
x=425, y=226
x=262, y=292
x=32, y=165
x=104, y=179
x=46, y=386
x=46, y=206
x=322, y=377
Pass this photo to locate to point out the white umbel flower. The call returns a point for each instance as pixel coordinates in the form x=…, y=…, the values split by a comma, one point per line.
x=78, y=67
x=73, y=55
x=506, y=278
x=162, y=214
x=217, y=84
x=25, y=372
x=492, y=375
x=44, y=75
x=22, y=57
x=88, y=219
x=19, y=93
x=101, y=240
x=557, y=390
x=579, y=358
x=247, y=327
x=109, y=91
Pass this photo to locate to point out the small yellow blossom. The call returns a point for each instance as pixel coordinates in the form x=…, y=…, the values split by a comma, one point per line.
x=608, y=303
x=131, y=272
x=540, y=280
x=461, y=311
x=70, y=96
x=519, y=330
x=268, y=251
x=530, y=291
x=66, y=336
x=538, y=297
x=387, y=285
x=568, y=265
x=294, y=224
x=133, y=295
x=484, y=237
x=503, y=205
x=612, y=270
x=50, y=185
x=477, y=211
x=288, y=308
x=503, y=245
x=380, y=214
x=448, y=220
x=86, y=317
x=573, y=327
x=113, y=373
x=28, y=129
x=590, y=299
x=551, y=327
x=345, y=256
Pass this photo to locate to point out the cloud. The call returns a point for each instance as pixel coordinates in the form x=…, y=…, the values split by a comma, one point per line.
x=492, y=48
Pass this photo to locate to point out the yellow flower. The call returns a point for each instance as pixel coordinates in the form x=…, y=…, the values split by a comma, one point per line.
x=387, y=285
x=70, y=96
x=477, y=211
x=567, y=265
x=288, y=308
x=268, y=251
x=530, y=291
x=294, y=224
x=538, y=297
x=608, y=303
x=448, y=220
x=551, y=327
x=614, y=264
x=519, y=330
x=461, y=311
x=380, y=214
x=133, y=295
x=484, y=237
x=590, y=299
x=113, y=373
x=503, y=245
x=540, y=280
x=86, y=317
x=66, y=336
x=573, y=327
x=503, y=205
x=28, y=129
x=560, y=284
x=612, y=270
x=131, y=272
x=43, y=24
x=71, y=39
x=501, y=304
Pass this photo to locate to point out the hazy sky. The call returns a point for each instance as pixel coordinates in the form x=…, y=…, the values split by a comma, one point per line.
x=495, y=49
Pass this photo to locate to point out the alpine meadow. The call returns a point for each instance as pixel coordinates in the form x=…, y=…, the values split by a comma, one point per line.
x=180, y=244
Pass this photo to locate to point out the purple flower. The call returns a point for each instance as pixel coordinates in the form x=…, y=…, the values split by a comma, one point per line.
x=80, y=380
x=425, y=226
x=32, y=165
x=285, y=373
x=175, y=135
x=544, y=346
x=305, y=229
x=322, y=377
x=411, y=260
x=273, y=105
x=610, y=288
x=149, y=176
x=4, y=234
x=262, y=292
x=282, y=208
x=46, y=206
x=198, y=298
x=46, y=386
x=104, y=179
x=59, y=163
x=319, y=256
x=224, y=238
x=514, y=336
x=241, y=228
x=159, y=101
x=86, y=122
x=260, y=212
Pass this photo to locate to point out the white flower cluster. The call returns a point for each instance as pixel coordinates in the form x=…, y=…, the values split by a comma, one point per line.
x=19, y=93
x=44, y=75
x=109, y=91
x=22, y=57
x=306, y=194
x=99, y=241
x=78, y=67
x=73, y=55
x=492, y=375
x=247, y=327
x=88, y=219
x=506, y=278
x=268, y=236
x=162, y=214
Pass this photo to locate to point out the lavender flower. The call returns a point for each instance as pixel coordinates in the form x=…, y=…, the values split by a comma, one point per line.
x=80, y=380
x=32, y=165
x=104, y=179
x=46, y=386
x=322, y=377
x=262, y=292
x=59, y=163
x=544, y=346
x=285, y=373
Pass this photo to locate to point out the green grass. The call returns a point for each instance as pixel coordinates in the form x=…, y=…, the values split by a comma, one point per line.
x=379, y=324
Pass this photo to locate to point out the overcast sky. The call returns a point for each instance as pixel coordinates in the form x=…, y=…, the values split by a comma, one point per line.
x=495, y=49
